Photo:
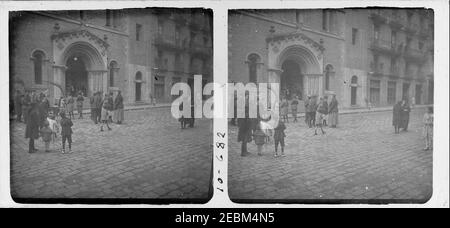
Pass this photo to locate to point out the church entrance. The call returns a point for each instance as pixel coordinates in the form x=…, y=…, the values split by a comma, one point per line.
x=291, y=80
x=76, y=76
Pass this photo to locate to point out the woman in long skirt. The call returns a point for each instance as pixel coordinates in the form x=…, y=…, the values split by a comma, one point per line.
x=333, y=112
x=118, y=108
x=428, y=129
x=396, y=117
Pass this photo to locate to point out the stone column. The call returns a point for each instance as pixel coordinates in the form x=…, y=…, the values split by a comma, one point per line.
x=59, y=73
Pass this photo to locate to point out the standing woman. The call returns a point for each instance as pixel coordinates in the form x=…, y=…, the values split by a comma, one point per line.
x=284, y=105
x=396, y=117
x=80, y=100
x=333, y=112
x=118, y=106
x=294, y=107
x=406, y=109
x=106, y=108
x=307, y=117
x=245, y=128
x=320, y=113
x=70, y=106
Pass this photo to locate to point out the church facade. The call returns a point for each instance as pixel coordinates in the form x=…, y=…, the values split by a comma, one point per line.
x=365, y=57
x=141, y=52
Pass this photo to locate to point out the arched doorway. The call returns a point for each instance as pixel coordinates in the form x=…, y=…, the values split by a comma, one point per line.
x=291, y=80
x=138, y=90
x=76, y=76
x=354, y=87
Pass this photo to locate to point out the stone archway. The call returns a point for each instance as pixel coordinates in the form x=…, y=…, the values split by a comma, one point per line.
x=304, y=52
x=86, y=49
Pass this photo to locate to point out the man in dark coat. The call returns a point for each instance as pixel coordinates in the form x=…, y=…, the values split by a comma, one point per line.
x=98, y=107
x=396, y=116
x=92, y=105
x=18, y=105
x=32, y=128
x=406, y=109
x=26, y=105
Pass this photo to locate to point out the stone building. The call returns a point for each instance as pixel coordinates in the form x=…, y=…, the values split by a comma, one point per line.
x=364, y=56
x=137, y=51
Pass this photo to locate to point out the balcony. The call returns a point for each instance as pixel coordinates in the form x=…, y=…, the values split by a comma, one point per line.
x=414, y=55
x=394, y=72
x=160, y=65
x=412, y=28
x=376, y=69
x=396, y=21
x=200, y=50
x=385, y=47
x=168, y=43
x=378, y=16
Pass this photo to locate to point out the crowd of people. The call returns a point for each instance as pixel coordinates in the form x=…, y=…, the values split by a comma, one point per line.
x=47, y=122
x=317, y=114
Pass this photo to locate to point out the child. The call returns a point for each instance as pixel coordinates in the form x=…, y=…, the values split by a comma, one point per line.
x=46, y=134
x=259, y=137
x=428, y=129
x=53, y=124
x=66, y=132
x=278, y=137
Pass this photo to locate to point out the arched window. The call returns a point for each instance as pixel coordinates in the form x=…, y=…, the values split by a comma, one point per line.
x=38, y=61
x=112, y=71
x=253, y=60
x=328, y=73
x=354, y=80
x=138, y=76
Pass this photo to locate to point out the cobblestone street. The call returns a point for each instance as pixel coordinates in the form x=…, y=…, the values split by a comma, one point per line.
x=362, y=159
x=148, y=156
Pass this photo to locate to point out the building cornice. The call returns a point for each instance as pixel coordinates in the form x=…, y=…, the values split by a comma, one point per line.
x=77, y=22
x=289, y=24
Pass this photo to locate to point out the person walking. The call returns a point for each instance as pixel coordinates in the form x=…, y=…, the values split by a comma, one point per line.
x=107, y=107
x=278, y=137
x=428, y=119
x=284, y=107
x=118, y=108
x=259, y=137
x=66, y=132
x=312, y=107
x=97, y=107
x=294, y=107
x=32, y=127
x=80, y=100
x=320, y=113
x=325, y=117
x=307, y=114
x=406, y=109
x=18, y=105
x=333, y=112
x=396, y=117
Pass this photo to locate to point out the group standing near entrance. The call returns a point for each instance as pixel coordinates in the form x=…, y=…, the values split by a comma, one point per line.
x=48, y=122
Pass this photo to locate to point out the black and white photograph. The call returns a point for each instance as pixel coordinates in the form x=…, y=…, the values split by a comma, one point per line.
x=90, y=105
x=355, y=105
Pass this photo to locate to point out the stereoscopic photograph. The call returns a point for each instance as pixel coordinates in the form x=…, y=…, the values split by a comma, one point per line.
x=355, y=99
x=90, y=102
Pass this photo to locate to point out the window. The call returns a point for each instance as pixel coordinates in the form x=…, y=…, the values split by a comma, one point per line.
x=393, y=38
x=391, y=93
x=38, y=60
x=375, y=92
x=329, y=72
x=115, y=18
x=108, y=18
x=354, y=80
x=325, y=20
x=376, y=30
x=298, y=17
x=253, y=60
x=354, y=35
x=112, y=69
x=138, y=31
